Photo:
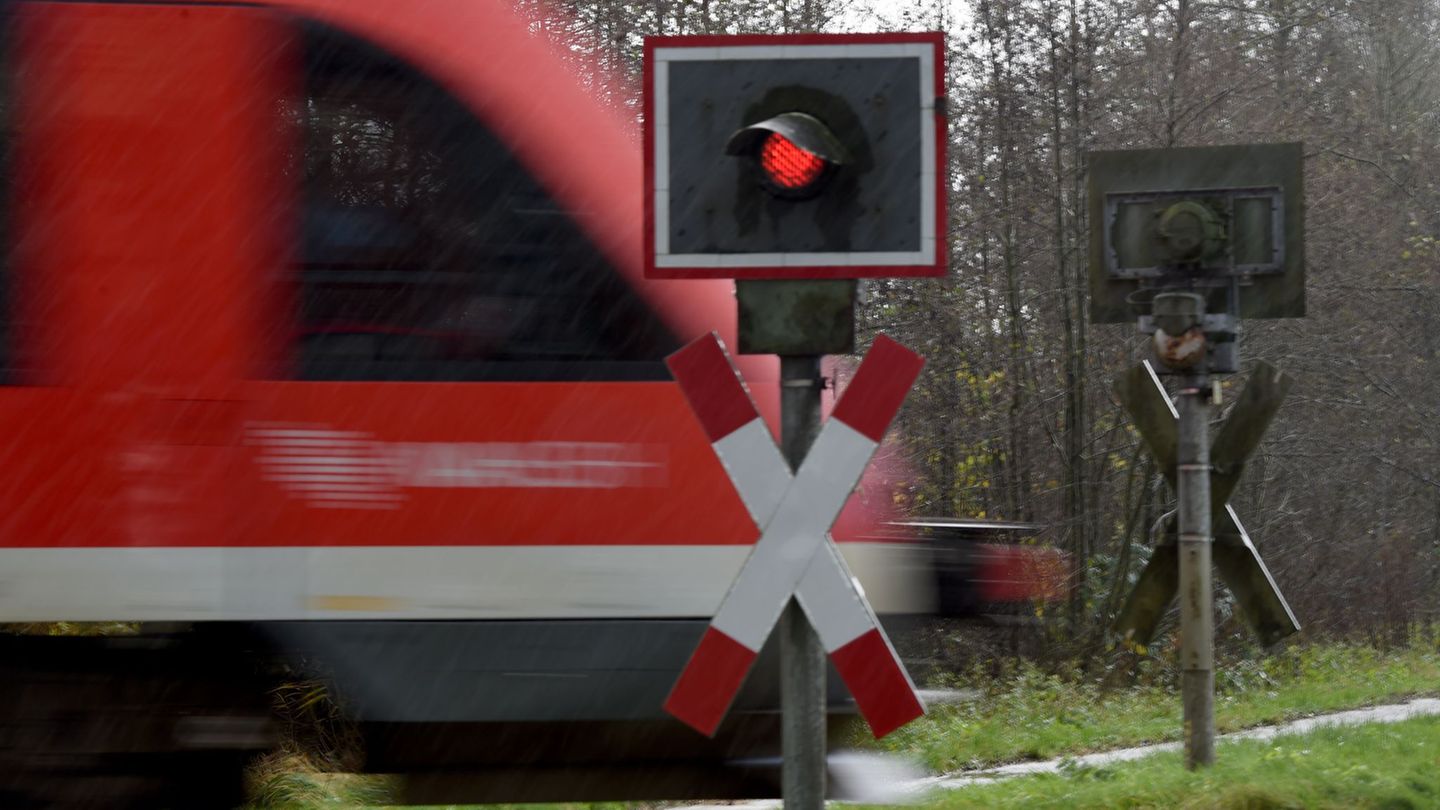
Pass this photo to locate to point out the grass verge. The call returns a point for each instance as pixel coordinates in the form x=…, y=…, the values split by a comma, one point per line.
x=1031, y=715
x=1371, y=766
x=295, y=782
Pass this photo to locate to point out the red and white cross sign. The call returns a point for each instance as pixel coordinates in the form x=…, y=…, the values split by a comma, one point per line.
x=794, y=555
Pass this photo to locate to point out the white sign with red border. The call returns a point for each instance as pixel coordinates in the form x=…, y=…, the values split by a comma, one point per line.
x=671, y=125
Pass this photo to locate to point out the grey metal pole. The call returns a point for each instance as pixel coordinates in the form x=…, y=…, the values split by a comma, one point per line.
x=1197, y=614
x=802, y=659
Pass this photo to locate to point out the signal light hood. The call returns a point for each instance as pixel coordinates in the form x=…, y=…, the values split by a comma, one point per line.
x=805, y=131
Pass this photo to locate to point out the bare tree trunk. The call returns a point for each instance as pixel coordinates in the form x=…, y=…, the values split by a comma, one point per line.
x=1179, y=62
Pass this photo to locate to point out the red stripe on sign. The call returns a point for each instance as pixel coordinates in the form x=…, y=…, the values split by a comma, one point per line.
x=877, y=679
x=710, y=681
x=712, y=386
x=873, y=398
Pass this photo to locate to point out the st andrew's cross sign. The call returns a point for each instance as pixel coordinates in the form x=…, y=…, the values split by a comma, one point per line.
x=794, y=555
x=1239, y=562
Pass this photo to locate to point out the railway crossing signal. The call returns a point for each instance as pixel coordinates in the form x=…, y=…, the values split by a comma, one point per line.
x=794, y=555
x=795, y=152
x=795, y=164
x=1188, y=242
x=1241, y=568
x=807, y=156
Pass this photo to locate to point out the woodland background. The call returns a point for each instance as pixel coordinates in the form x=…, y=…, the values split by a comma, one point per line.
x=1014, y=418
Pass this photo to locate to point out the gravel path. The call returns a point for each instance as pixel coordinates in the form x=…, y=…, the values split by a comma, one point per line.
x=1393, y=713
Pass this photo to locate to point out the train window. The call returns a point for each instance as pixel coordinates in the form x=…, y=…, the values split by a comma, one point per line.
x=429, y=252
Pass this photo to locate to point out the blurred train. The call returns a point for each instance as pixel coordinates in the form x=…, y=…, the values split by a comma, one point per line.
x=324, y=352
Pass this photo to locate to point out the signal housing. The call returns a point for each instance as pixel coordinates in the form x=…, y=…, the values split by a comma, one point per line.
x=867, y=105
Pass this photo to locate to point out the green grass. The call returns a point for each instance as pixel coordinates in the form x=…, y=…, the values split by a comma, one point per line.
x=294, y=781
x=1031, y=715
x=1372, y=766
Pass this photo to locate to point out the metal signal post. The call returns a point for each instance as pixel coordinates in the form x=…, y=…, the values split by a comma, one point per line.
x=802, y=658
x=1178, y=320
x=1197, y=611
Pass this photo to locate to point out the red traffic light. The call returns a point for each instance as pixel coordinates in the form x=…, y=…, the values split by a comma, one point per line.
x=794, y=152
x=789, y=166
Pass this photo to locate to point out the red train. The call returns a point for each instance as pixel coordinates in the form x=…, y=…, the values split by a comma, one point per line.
x=324, y=342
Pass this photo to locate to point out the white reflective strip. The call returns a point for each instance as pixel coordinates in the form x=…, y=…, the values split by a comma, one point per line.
x=756, y=468
x=337, y=485
x=1255, y=557
x=859, y=259
x=660, y=130
x=829, y=474
x=1159, y=386
x=297, y=460
x=413, y=582
x=303, y=444
x=435, y=582
x=928, y=167
x=878, y=50
x=834, y=600
x=685, y=54
x=342, y=470
x=274, y=473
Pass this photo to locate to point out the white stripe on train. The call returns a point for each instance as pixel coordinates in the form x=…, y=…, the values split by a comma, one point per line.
x=419, y=582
